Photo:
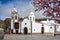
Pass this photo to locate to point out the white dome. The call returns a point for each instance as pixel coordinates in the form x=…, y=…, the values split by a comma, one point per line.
x=14, y=9
x=32, y=13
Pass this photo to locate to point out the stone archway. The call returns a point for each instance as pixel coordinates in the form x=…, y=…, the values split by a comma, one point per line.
x=42, y=30
x=25, y=30
x=16, y=26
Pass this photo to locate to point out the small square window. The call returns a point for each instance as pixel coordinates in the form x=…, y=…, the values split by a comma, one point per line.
x=50, y=27
x=34, y=29
x=25, y=23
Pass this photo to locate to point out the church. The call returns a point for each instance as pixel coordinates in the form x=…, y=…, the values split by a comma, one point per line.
x=29, y=25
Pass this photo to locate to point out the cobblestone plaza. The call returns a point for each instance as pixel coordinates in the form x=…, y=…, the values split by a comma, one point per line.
x=30, y=37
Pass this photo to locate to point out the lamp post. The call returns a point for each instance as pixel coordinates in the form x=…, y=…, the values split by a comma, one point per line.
x=31, y=27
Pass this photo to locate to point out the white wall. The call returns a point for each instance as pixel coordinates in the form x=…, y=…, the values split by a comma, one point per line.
x=19, y=27
x=48, y=26
x=12, y=24
x=36, y=28
x=27, y=25
x=48, y=29
x=58, y=28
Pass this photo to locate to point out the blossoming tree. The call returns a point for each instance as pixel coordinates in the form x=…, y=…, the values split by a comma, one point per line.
x=51, y=7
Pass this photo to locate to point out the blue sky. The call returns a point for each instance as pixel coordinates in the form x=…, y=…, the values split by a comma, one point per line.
x=24, y=8
x=7, y=5
x=6, y=1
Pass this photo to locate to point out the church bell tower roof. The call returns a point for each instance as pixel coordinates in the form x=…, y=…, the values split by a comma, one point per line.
x=32, y=13
x=14, y=10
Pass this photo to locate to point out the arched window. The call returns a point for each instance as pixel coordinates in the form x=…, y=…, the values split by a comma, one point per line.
x=15, y=17
x=12, y=17
x=25, y=23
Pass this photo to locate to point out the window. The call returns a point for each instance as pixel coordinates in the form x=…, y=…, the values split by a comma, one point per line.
x=15, y=17
x=12, y=17
x=50, y=27
x=25, y=23
x=34, y=29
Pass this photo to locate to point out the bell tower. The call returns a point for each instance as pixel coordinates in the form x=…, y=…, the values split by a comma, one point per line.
x=15, y=27
x=14, y=15
x=32, y=20
x=32, y=17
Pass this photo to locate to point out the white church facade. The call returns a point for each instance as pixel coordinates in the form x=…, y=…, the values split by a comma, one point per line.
x=29, y=25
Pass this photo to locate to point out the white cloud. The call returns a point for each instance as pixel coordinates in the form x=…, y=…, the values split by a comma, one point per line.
x=24, y=9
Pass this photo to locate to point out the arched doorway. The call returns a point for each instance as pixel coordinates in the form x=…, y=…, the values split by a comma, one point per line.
x=42, y=30
x=16, y=31
x=16, y=26
x=25, y=30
